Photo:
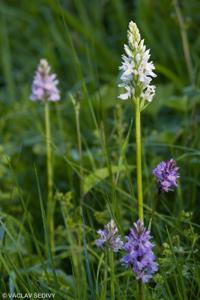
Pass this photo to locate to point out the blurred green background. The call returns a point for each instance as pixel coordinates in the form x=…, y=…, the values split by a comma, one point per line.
x=83, y=42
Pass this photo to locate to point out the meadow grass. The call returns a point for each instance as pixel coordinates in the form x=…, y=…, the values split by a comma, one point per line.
x=93, y=148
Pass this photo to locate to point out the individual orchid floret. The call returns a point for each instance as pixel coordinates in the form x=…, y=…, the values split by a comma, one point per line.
x=44, y=87
x=109, y=235
x=139, y=255
x=166, y=174
x=137, y=70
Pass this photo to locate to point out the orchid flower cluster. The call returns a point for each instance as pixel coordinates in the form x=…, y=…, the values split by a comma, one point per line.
x=44, y=87
x=138, y=248
x=137, y=70
x=110, y=236
x=167, y=174
x=139, y=255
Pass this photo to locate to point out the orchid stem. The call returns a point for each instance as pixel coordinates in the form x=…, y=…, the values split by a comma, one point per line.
x=50, y=203
x=141, y=291
x=112, y=275
x=139, y=158
x=139, y=174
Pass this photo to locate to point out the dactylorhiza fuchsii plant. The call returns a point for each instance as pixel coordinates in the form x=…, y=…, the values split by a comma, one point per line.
x=166, y=174
x=137, y=73
x=45, y=90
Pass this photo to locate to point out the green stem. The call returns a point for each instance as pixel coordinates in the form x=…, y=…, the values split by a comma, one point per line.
x=141, y=291
x=50, y=204
x=112, y=277
x=139, y=174
x=138, y=158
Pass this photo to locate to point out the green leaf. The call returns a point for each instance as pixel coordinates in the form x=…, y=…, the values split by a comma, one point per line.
x=100, y=174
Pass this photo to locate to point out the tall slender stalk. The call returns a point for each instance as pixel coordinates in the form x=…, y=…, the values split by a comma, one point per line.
x=137, y=74
x=50, y=203
x=139, y=174
x=138, y=158
x=112, y=275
